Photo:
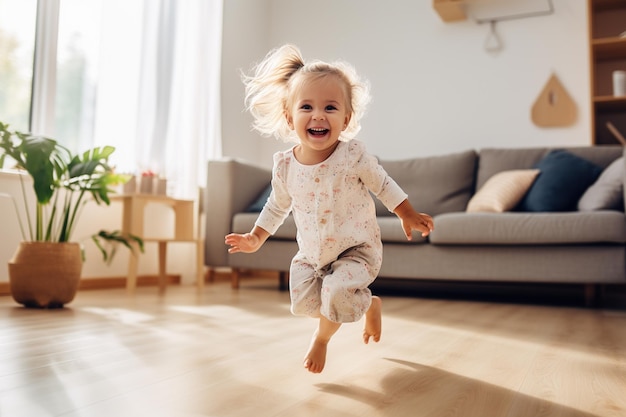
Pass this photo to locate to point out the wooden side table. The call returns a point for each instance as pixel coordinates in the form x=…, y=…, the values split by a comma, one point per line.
x=186, y=230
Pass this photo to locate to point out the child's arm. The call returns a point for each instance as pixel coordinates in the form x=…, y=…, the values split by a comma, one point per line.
x=412, y=220
x=248, y=242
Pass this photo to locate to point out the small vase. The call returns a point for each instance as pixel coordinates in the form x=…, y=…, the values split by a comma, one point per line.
x=45, y=274
x=619, y=83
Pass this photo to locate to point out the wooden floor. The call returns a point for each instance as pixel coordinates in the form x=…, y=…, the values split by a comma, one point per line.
x=239, y=353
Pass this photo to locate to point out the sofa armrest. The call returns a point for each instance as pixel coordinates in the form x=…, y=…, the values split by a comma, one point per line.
x=232, y=185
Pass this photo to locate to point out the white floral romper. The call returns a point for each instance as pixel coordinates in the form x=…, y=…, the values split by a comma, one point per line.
x=340, y=250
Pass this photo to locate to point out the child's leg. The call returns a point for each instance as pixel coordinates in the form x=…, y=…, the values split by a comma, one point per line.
x=315, y=358
x=305, y=285
x=373, y=321
x=345, y=295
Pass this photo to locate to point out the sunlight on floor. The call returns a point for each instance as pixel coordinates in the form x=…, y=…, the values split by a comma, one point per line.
x=120, y=314
x=515, y=345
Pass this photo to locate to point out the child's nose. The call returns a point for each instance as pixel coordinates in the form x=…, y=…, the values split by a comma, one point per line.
x=318, y=115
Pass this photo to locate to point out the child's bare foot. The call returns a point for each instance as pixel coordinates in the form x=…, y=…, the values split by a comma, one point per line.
x=373, y=321
x=315, y=358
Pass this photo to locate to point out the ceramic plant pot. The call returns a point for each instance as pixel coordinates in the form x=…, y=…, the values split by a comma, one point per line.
x=45, y=274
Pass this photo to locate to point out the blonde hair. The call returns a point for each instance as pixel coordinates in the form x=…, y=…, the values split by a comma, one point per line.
x=277, y=77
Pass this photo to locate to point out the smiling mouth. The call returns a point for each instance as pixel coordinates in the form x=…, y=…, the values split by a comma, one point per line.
x=317, y=131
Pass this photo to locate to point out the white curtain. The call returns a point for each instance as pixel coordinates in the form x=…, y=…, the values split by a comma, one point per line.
x=150, y=86
x=167, y=115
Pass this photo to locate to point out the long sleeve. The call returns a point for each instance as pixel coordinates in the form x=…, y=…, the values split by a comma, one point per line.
x=278, y=204
x=376, y=178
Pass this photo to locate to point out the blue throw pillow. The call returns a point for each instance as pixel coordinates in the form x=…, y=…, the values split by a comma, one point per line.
x=259, y=202
x=562, y=180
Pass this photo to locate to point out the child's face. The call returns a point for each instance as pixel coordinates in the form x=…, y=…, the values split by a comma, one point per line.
x=319, y=115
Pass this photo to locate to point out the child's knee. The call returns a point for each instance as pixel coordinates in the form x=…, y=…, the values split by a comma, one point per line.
x=335, y=294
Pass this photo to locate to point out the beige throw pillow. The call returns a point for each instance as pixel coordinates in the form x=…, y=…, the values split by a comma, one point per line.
x=502, y=191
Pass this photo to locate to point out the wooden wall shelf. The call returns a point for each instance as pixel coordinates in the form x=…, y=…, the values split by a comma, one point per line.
x=610, y=103
x=609, y=48
x=607, y=21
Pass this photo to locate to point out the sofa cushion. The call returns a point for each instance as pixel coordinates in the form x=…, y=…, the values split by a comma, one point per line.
x=563, y=179
x=391, y=231
x=503, y=191
x=494, y=160
x=607, y=193
x=436, y=184
x=513, y=228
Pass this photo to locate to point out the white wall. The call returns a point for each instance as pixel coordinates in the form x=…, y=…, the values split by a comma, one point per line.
x=10, y=234
x=245, y=38
x=435, y=89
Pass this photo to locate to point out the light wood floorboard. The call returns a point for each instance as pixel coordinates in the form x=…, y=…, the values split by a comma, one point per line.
x=224, y=352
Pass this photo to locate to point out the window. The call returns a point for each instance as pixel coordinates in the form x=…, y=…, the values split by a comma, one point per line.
x=142, y=76
x=97, y=73
x=18, y=19
x=76, y=71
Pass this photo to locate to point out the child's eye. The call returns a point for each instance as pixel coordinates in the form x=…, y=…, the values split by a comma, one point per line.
x=330, y=108
x=306, y=107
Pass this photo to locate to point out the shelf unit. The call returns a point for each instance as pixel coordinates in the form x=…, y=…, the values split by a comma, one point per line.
x=607, y=21
x=186, y=229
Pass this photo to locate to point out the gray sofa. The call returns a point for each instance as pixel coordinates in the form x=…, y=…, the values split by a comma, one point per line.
x=570, y=246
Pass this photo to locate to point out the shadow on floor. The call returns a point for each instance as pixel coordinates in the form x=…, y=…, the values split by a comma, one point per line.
x=417, y=390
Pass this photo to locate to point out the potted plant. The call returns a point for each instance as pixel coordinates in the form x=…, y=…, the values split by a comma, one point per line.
x=46, y=267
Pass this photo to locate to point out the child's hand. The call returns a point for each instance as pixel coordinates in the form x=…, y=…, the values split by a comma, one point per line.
x=412, y=220
x=421, y=222
x=246, y=243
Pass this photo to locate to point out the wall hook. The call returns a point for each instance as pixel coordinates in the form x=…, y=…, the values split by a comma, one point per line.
x=493, y=42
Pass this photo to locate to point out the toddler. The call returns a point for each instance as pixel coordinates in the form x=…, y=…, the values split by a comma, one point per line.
x=325, y=180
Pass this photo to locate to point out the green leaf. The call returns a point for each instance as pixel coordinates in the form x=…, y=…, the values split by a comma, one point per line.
x=113, y=240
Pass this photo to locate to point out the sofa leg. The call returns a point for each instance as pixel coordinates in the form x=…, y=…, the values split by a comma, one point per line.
x=283, y=280
x=234, y=278
x=590, y=295
x=209, y=275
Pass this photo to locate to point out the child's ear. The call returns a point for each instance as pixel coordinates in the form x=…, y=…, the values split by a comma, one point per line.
x=347, y=121
x=289, y=119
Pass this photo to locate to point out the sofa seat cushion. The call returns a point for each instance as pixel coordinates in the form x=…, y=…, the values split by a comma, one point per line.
x=244, y=222
x=391, y=231
x=514, y=228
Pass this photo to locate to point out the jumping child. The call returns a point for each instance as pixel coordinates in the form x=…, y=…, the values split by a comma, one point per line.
x=325, y=180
